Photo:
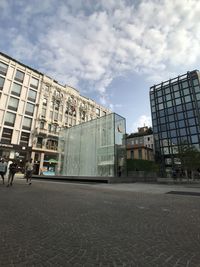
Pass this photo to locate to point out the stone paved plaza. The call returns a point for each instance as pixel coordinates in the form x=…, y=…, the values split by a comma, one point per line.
x=71, y=224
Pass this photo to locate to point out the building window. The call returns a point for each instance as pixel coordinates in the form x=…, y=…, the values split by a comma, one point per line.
x=140, y=153
x=42, y=125
x=10, y=118
x=34, y=83
x=19, y=76
x=29, y=109
x=44, y=112
x=16, y=89
x=97, y=111
x=6, y=136
x=56, y=116
x=39, y=142
x=44, y=102
x=1, y=83
x=32, y=95
x=24, y=140
x=132, y=154
x=57, y=103
x=13, y=103
x=3, y=68
x=52, y=144
x=27, y=123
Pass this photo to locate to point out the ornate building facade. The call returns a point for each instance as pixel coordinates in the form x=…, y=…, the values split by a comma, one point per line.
x=33, y=109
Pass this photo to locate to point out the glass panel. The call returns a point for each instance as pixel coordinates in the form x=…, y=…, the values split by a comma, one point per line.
x=27, y=123
x=94, y=148
x=32, y=95
x=19, y=76
x=13, y=103
x=10, y=119
x=29, y=109
x=16, y=89
x=1, y=83
x=3, y=68
x=34, y=83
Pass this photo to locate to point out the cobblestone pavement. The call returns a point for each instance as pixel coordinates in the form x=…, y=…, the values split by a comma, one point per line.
x=66, y=224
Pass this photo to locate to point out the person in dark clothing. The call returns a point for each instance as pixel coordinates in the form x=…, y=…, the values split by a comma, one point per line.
x=12, y=171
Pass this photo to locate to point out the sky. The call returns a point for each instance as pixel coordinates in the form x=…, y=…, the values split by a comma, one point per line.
x=112, y=51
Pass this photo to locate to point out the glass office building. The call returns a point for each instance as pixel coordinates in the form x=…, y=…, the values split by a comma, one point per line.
x=94, y=148
x=175, y=109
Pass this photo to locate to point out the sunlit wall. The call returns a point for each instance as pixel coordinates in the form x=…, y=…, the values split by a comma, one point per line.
x=94, y=148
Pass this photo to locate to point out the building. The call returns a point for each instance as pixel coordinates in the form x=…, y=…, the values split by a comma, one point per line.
x=140, y=145
x=175, y=109
x=94, y=148
x=33, y=109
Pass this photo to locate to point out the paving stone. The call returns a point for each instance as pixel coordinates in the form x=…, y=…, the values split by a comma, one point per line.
x=66, y=224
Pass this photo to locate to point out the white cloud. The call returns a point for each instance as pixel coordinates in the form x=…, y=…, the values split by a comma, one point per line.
x=143, y=120
x=96, y=41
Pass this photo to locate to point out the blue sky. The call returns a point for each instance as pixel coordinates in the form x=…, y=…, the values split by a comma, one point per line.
x=110, y=50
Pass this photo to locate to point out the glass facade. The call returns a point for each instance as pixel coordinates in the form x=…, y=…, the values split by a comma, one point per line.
x=94, y=148
x=175, y=108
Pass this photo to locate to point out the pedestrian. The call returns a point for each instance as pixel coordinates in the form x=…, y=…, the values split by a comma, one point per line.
x=3, y=168
x=12, y=170
x=29, y=171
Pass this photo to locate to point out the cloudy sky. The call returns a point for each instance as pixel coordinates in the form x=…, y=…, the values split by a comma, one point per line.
x=110, y=50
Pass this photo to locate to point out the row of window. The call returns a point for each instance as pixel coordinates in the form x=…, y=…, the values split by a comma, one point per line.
x=19, y=75
x=7, y=137
x=11, y=117
x=181, y=86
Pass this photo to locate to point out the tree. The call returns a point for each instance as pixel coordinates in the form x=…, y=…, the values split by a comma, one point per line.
x=190, y=158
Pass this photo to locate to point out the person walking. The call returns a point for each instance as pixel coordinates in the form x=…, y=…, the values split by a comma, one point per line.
x=29, y=171
x=12, y=170
x=3, y=168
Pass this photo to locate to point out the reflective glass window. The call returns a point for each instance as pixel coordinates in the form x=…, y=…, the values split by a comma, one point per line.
x=173, y=133
x=194, y=139
x=13, y=103
x=171, y=118
x=180, y=116
x=193, y=130
x=198, y=96
x=163, y=127
x=159, y=93
x=164, y=134
x=16, y=89
x=186, y=91
x=34, y=83
x=19, y=76
x=182, y=132
x=189, y=106
x=27, y=123
x=190, y=114
x=175, y=87
x=160, y=100
x=172, y=125
x=191, y=122
x=197, y=89
x=181, y=124
x=29, y=109
x=187, y=98
x=195, y=82
x=185, y=84
x=178, y=101
x=160, y=106
x=10, y=118
x=167, y=90
x=32, y=95
x=168, y=97
x=170, y=111
x=177, y=94
x=1, y=82
x=169, y=104
x=161, y=113
x=179, y=108
x=3, y=68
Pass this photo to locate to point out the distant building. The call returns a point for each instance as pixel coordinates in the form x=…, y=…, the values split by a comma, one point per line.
x=140, y=145
x=175, y=108
x=33, y=109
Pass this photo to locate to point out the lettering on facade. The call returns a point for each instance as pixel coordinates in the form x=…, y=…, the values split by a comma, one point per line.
x=5, y=145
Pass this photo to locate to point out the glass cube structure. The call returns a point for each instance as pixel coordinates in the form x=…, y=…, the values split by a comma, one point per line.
x=94, y=148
